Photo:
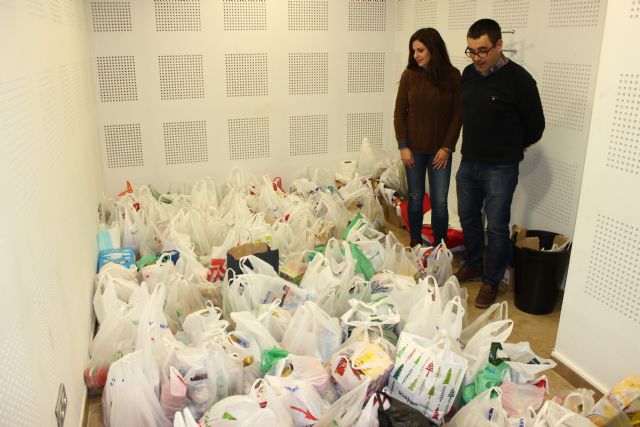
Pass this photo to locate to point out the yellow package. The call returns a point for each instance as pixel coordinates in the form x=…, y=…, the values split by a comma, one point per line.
x=621, y=398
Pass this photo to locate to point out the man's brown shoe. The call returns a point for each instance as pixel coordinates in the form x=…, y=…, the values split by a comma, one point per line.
x=486, y=296
x=466, y=274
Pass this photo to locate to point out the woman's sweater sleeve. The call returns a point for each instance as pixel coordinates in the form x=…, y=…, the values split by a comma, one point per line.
x=400, y=112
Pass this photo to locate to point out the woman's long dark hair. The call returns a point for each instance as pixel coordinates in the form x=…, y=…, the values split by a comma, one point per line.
x=439, y=68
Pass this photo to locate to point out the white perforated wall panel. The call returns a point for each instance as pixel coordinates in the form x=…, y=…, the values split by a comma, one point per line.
x=177, y=15
x=426, y=12
x=461, y=14
x=267, y=79
x=367, y=15
x=52, y=171
x=624, y=139
x=111, y=16
x=308, y=135
x=602, y=297
x=308, y=15
x=365, y=72
x=181, y=77
x=308, y=73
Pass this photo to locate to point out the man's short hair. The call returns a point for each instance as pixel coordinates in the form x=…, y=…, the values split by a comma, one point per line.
x=485, y=26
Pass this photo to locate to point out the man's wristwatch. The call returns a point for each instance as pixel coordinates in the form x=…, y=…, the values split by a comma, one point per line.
x=448, y=150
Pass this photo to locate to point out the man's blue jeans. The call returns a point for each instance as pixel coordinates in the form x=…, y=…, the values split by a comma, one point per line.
x=438, y=192
x=481, y=184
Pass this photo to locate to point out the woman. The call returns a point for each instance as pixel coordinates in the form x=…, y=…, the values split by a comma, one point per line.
x=427, y=121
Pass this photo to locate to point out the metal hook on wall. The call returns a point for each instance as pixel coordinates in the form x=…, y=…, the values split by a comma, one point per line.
x=510, y=50
x=508, y=31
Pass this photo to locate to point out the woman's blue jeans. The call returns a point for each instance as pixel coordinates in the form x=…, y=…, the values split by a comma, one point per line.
x=438, y=193
x=492, y=186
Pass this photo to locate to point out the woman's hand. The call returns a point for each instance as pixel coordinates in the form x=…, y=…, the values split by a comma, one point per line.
x=407, y=157
x=440, y=159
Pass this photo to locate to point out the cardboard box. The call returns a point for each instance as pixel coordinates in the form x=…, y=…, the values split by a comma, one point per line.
x=390, y=214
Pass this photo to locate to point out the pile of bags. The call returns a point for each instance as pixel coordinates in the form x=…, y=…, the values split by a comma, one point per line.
x=236, y=302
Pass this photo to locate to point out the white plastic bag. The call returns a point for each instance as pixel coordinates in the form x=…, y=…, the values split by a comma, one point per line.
x=477, y=349
x=427, y=374
x=275, y=319
x=553, y=415
x=313, y=332
x=485, y=410
x=345, y=411
x=302, y=400
x=497, y=311
x=524, y=363
x=308, y=369
x=247, y=323
x=129, y=397
x=439, y=263
x=518, y=398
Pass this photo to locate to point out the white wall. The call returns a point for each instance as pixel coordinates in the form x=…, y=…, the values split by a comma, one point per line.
x=50, y=169
x=269, y=86
x=598, y=333
x=58, y=154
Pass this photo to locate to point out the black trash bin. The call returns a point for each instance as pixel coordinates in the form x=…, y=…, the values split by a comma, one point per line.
x=538, y=275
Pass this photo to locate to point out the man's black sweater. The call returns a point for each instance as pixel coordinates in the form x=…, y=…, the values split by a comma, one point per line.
x=501, y=114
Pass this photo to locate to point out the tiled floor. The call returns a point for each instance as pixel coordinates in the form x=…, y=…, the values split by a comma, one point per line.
x=539, y=331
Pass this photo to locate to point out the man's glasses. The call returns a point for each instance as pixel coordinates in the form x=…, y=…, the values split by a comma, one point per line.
x=480, y=53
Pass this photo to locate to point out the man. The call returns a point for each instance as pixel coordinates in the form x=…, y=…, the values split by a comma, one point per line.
x=501, y=116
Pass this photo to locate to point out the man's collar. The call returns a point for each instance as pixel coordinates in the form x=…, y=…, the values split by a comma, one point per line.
x=502, y=61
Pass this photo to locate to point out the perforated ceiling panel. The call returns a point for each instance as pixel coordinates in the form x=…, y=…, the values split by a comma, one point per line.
x=574, y=13
x=17, y=133
x=53, y=337
x=552, y=189
x=123, y=145
x=462, y=13
x=177, y=15
x=624, y=146
x=50, y=96
x=117, y=78
x=245, y=15
x=308, y=135
x=308, y=73
x=635, y=9
x=181, y=77
x=35, y=8
x=426, y=12
x=511, y=13
x=185, y=142
x=398, y=22
x=55, y=11
x=367, y=15
x=18, y=402
x=308, y=15
x=248, y=138
x=613, y=276
x=365, y=72
x=364, y=125
x=565, y=91
x=111, y=16
x=246, y=74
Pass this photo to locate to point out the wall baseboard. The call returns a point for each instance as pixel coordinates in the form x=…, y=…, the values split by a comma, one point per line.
x=84, y=420
x=574, y=378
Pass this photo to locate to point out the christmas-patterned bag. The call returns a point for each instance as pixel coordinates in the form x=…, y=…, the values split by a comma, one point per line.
x=427, y=374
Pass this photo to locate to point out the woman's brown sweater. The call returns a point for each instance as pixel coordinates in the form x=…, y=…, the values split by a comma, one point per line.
x=427, y=118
